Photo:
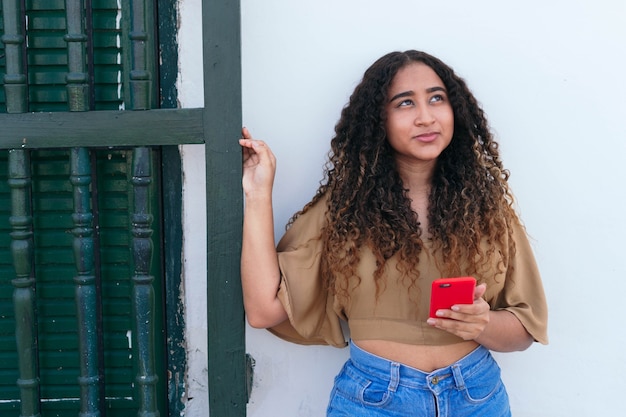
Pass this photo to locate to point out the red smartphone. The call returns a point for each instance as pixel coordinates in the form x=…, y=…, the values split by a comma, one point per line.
x=446, y=292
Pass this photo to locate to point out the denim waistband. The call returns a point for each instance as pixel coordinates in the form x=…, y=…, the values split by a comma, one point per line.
x=438, y=380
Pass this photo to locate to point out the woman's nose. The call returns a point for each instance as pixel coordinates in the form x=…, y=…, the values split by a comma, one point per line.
x=423, y=116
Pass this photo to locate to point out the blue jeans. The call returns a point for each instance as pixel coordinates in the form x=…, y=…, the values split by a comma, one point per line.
x=369, y=385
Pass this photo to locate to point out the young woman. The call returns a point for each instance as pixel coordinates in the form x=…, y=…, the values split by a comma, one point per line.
x=414, y=190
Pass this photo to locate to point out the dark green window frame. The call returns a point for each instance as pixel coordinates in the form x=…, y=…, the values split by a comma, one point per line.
x=217, y=125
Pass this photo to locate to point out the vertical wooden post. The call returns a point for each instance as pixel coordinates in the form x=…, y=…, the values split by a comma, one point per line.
x=15, y=86
x=21, y=220
x=86, y=293
x=24, y=283
x=222, y=127
x=77, y=79
x=143, y=292
x=85, y=280
x=140, y=96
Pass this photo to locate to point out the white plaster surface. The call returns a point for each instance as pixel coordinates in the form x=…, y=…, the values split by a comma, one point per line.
x=190, y=95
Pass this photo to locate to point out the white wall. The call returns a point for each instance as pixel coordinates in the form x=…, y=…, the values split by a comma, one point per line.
x=550, y=76
x=190, y=93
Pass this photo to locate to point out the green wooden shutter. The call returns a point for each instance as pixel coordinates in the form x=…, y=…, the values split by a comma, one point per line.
x=47, y=55
x=53, y=207
x=55, y=269
x=215, y=126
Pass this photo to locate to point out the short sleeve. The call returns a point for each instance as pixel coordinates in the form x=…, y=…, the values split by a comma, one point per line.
x=310, y=307
x=523, y=293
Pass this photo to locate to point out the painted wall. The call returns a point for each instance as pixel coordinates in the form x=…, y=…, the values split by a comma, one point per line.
x=550, y=76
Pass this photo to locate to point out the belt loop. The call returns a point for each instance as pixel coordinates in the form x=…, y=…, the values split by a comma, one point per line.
x=394, y=376
x=458, y=376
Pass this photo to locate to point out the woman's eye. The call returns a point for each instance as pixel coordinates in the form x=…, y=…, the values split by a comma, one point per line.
x=405, y=103
x=437, y=98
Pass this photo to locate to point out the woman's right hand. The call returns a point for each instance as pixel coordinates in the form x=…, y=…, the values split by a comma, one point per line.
x=259, y=166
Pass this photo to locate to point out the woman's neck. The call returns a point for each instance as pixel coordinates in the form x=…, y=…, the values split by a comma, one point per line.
x=417, y=178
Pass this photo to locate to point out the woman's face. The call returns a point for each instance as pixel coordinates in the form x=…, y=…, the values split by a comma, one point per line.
x=420, y=119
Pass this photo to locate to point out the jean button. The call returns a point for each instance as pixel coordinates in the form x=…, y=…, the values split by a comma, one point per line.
x=435, y=380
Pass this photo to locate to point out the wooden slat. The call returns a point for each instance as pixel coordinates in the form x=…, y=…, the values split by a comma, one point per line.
x=141, y=76
x=143, y=291
x=15, y=87
x=22, y=249
x=225, y=321
x=86, y=291
x=101, y=128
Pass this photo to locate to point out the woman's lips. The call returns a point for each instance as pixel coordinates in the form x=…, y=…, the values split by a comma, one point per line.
x=427, y=137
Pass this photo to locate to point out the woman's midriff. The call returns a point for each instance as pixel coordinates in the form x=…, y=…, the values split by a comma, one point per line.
x=422, y=357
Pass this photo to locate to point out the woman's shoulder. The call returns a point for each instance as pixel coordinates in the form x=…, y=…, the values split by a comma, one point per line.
x=306, y=226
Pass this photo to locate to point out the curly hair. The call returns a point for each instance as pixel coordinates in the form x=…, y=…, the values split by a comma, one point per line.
x=470, y=203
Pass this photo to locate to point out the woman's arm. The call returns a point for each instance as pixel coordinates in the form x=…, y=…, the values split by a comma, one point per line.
x=260, y=275
x=498, y=330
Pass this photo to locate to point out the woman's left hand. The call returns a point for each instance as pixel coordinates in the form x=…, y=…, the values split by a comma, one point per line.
x=466, y=321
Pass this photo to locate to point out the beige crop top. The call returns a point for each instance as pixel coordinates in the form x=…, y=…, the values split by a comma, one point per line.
x=315, y=315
